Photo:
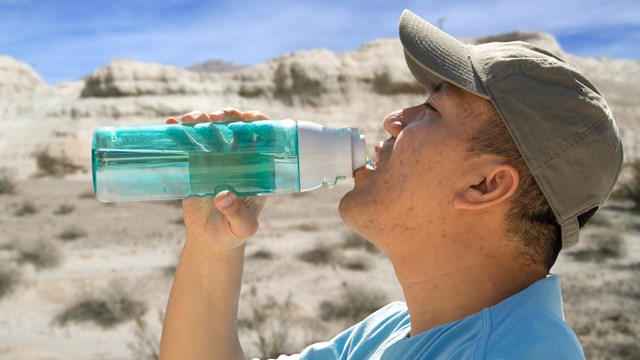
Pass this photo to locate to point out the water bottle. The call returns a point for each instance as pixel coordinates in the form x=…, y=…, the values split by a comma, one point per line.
x=177, y=161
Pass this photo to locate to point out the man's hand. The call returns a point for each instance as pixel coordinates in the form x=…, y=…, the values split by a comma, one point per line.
x=202, y=312
x=225, y=221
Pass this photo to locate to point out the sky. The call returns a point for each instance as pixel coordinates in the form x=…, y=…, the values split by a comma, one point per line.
x=64, y=40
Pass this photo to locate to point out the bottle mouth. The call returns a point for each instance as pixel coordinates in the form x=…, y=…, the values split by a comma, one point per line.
x=358, y=150
x=370, y=165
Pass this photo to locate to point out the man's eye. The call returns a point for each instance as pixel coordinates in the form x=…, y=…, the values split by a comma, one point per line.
x=429, y=106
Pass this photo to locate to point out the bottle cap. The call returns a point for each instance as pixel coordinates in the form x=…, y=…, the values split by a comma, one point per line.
x=327, y=155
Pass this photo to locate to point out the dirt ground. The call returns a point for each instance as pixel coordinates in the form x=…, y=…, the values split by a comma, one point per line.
x=304, y=268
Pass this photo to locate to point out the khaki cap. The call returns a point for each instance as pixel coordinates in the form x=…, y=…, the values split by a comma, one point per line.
x=559, y=121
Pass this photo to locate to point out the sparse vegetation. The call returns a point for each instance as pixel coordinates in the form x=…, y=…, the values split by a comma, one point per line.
x=169, y=270
x=54, y=166
x=87, y=195
x=9, y=277
x=72, y=233
x=271, y=321
x=356, y=263
x=601, y=246
x=147, y=344
x=323, y=254
x=262, y=254
x=309, y=227
x=7, y=182
x=114, y=306
x=631, y=189
x=41, y=253
x=354, y=240
x=354, y=304
x=319, y=255
x=64, y=209
x=26, y=208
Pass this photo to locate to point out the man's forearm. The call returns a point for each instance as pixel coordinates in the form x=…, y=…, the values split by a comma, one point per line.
x=201, y=317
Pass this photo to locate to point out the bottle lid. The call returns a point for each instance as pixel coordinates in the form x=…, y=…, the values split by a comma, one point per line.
x=327, y=155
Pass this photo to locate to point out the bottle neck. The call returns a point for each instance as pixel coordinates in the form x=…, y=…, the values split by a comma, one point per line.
x=326, y=155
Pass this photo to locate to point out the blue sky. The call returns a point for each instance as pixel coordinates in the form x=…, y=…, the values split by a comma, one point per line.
x=67, y=39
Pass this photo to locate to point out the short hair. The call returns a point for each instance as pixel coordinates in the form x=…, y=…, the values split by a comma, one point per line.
x=530, y=220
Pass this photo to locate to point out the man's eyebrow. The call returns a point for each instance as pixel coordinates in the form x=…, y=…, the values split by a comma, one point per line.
x=437, y=87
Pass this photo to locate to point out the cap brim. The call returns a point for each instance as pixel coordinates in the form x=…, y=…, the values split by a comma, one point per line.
x=432, y=54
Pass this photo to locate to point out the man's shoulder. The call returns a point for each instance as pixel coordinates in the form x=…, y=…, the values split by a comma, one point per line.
x=530, y=325
x=390, y=317
x=532, y=335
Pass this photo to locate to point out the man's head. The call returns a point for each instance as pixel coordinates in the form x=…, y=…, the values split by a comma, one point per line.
x=561, y=125
x=540, y=117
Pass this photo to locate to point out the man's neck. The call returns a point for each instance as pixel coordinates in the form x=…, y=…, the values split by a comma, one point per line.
x=449, y=288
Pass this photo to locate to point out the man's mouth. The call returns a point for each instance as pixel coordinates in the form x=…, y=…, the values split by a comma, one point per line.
x=371, y=165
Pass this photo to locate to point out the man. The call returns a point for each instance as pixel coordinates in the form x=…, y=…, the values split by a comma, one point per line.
x=474, y=194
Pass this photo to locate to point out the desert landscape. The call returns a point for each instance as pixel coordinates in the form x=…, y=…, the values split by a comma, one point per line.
x=81, y=279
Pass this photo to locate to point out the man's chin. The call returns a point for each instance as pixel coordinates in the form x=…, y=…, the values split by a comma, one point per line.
x=346, y=206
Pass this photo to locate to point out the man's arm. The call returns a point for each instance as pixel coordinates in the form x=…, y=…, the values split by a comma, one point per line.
x=201, y=317
x=202, y=311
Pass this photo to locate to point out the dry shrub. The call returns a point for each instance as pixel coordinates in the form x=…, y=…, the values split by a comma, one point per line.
x=353, y=240
x=262, y=254
x=169, y=270
x=355, y=263
x=72, y=233
x=147, y=341
x=87, y=195
x=64, y=209
x=26, y=208
x=8, y=184
x=54, y=166
x=308, y=227
x=9, y=277
x=321, y=254
x=272, y=322
x=41, y=253
x=113, y=306
x=601, y=246
x=631, y=189
x=354, y=304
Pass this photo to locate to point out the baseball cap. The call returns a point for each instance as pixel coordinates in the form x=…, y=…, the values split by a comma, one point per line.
x=559, y=121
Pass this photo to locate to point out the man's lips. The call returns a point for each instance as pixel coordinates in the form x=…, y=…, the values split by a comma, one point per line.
x=372, y=166
x=380, y=149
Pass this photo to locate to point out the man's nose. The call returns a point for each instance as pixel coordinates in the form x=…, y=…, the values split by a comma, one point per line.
x=393, y=123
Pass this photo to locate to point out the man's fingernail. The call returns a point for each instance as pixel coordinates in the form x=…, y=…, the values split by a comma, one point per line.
x=227, y=199
x=218, y=113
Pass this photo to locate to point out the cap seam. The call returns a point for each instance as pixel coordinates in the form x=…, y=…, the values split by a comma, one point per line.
x=523, y=68
x=570, y=142
x=475, y=72
x=419, y=63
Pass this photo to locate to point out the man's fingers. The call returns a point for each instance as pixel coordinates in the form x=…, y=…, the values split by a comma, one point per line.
x=172, y=120
x=242, y=220
x=195, y=116
x=253, y=115
x=231, y=114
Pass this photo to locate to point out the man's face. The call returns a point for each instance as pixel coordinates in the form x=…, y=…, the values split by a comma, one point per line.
x=420, y=168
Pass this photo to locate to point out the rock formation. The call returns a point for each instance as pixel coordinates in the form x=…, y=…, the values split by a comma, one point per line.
x=360, y=84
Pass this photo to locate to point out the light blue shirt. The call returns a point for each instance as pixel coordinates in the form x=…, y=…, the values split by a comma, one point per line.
x=527, y=325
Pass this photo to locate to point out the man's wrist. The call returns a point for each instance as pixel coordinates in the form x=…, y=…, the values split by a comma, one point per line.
x=206, y=248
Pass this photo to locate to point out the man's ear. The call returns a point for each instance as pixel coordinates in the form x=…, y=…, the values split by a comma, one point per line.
x=496, y=186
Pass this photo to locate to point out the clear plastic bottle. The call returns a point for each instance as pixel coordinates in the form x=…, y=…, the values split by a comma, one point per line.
x=177, y=161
